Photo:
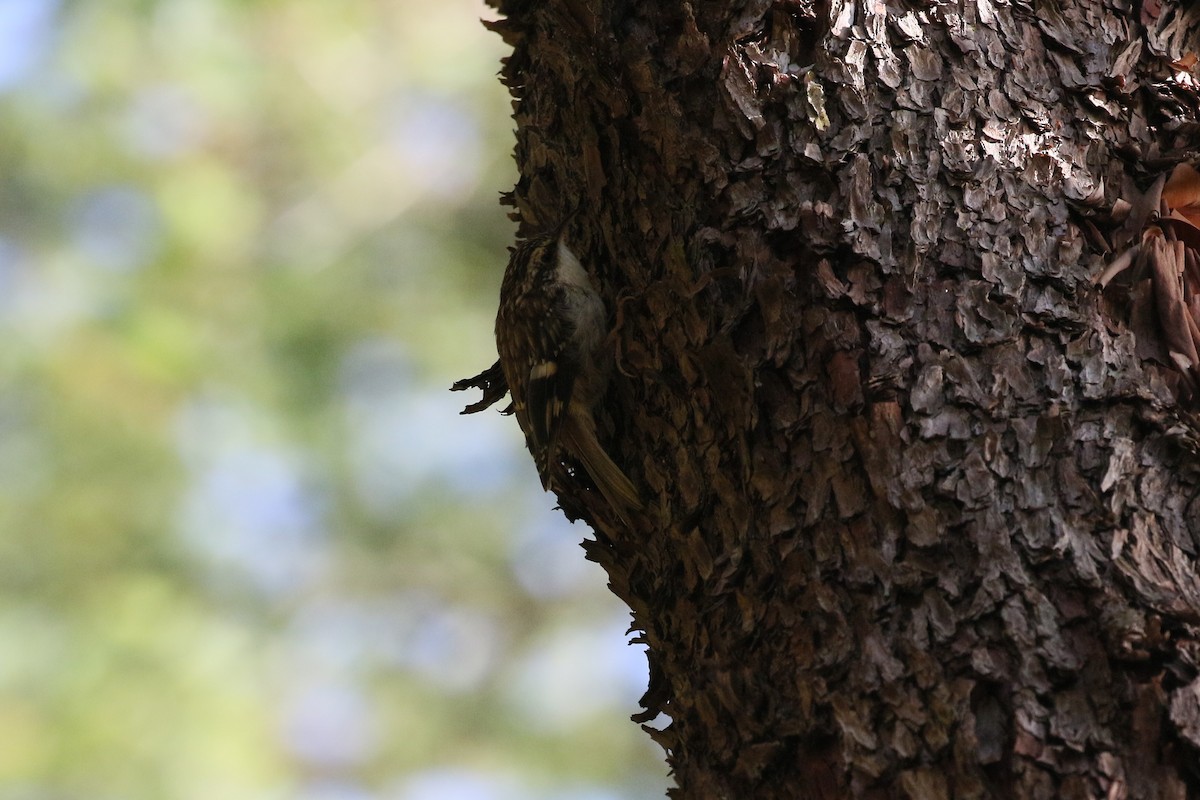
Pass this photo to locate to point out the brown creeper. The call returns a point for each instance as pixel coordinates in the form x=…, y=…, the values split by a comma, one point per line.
x=550, y=332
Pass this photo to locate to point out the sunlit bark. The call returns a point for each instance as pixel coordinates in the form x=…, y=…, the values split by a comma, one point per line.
x=923, y=510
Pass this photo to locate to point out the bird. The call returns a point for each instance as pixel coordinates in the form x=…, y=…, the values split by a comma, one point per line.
x=551, y=326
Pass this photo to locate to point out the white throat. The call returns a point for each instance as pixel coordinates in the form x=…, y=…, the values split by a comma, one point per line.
x=570, y=271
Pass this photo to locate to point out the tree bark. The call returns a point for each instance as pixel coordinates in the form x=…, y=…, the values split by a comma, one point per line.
x=923, y=506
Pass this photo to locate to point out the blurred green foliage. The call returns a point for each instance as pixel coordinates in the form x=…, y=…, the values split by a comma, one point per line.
x=247, y=548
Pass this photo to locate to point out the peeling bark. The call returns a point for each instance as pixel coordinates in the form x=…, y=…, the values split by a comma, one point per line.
x=924, y=509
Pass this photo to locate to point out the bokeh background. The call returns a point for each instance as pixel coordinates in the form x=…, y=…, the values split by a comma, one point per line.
x=248, y=549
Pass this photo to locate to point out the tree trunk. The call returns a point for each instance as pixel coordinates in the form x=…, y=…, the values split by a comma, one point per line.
x=923, y=501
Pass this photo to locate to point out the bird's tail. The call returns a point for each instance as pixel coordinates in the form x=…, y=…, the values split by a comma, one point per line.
x=579, y=439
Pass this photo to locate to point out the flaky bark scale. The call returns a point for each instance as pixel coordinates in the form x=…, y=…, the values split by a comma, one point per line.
x=921, y=523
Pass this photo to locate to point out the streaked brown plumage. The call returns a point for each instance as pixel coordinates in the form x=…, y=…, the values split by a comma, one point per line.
x=550, y=331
